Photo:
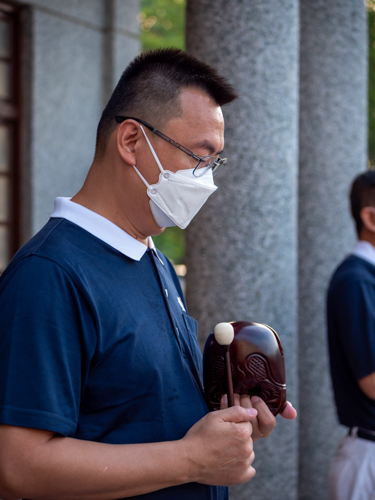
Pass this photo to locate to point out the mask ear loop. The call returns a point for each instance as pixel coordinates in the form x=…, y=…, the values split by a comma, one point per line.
x=155, y=157
x=141, y=176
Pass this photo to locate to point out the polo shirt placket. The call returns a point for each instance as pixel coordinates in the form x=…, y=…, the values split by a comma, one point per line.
x=184, y=326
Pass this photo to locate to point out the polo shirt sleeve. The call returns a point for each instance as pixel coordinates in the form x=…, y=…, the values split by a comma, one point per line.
x=47, y=339
x=355, y=316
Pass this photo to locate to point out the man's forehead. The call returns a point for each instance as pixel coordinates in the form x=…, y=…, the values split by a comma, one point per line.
x=197, y=101
x=201, y=113
x=200, y=124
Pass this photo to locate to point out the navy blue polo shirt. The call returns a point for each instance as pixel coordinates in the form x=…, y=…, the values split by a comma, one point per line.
x=97, y=345
x=351, y=337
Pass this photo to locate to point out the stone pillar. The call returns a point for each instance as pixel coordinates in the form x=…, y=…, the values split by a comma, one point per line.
x=242, y=246
x=333, y=149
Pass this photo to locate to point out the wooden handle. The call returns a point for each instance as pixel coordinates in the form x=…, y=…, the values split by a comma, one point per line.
x=228, y=374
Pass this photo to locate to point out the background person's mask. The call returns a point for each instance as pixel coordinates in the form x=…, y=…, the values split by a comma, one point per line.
x=178, y=196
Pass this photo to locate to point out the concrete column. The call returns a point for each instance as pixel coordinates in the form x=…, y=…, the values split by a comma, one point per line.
x=242, y=246
x=333, y=149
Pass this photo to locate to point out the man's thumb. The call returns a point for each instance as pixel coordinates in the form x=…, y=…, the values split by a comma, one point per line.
x=238, y=414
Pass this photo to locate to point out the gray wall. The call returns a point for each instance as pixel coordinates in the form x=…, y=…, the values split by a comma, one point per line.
x=242, y=246
x=75, y=51
x=333, y=149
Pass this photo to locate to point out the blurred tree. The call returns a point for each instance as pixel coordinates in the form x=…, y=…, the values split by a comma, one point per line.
x=162, y=24
x=172, y=244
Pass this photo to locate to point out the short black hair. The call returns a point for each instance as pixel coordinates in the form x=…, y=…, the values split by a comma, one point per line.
x=151, y=85
x=362, y=194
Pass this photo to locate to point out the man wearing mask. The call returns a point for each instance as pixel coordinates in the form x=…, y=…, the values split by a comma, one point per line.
x=351, y=335
x=102, y=392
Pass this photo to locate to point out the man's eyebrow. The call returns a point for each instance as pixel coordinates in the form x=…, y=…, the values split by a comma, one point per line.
x=207, y=145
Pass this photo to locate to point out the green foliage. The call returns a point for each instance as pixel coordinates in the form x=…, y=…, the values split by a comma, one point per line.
x=162, y=24
x=172, y=244
x=371, y=88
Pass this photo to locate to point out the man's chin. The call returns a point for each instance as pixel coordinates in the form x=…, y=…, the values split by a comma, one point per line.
x=158, y=231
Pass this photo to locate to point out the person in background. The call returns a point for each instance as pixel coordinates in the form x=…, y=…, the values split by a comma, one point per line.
x=351, y=337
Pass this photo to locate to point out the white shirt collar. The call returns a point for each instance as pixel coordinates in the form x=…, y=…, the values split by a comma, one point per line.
x=365, y=250
x=100, y=227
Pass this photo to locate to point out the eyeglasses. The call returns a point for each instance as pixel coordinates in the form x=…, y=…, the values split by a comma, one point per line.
x=204, y=164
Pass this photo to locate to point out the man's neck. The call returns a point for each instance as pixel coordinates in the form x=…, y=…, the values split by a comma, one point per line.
x=122, y=222
x=103, y=202
x=368, y=236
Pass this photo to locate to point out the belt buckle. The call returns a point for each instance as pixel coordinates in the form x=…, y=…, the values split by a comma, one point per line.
x=362, y=433
x=353, y=431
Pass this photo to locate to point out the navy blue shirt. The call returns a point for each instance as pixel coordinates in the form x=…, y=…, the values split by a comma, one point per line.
x=351, y=336
x=98, y=346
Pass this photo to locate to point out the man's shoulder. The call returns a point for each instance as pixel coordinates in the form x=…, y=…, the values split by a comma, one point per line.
x=353, y=278
x=59, y=239
x=61, y=243
x=354, y=269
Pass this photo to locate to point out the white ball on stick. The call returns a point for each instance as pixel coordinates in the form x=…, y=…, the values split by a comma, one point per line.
x=224, y=333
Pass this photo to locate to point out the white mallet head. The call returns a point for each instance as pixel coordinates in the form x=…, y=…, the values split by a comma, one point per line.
x=224, y=333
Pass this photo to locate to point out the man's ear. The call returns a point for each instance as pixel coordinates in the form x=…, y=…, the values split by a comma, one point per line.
x=128, y=134
x=368, y=218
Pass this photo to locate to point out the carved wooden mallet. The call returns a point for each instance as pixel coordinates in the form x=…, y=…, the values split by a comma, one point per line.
x=224, y=334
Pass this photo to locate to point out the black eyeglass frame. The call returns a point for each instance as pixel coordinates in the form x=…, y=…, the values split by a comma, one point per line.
x=215, y=164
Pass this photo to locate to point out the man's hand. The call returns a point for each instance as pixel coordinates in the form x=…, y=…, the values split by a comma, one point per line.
x=367, y=385
x=265, y=422
x=219, y=447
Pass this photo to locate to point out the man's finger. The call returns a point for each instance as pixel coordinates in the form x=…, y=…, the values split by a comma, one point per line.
x=289, y=412
x=223, y=402
x=245, y=401
x=238, y=414
x=238, y=401
x=266, y=420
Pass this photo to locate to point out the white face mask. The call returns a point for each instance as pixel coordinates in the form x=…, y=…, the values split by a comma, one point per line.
x=178, y=196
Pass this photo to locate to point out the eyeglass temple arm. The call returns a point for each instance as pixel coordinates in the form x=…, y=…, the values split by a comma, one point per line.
x=120, y=119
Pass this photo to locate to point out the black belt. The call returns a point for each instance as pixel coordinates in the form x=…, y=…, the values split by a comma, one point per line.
x=362, y=433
